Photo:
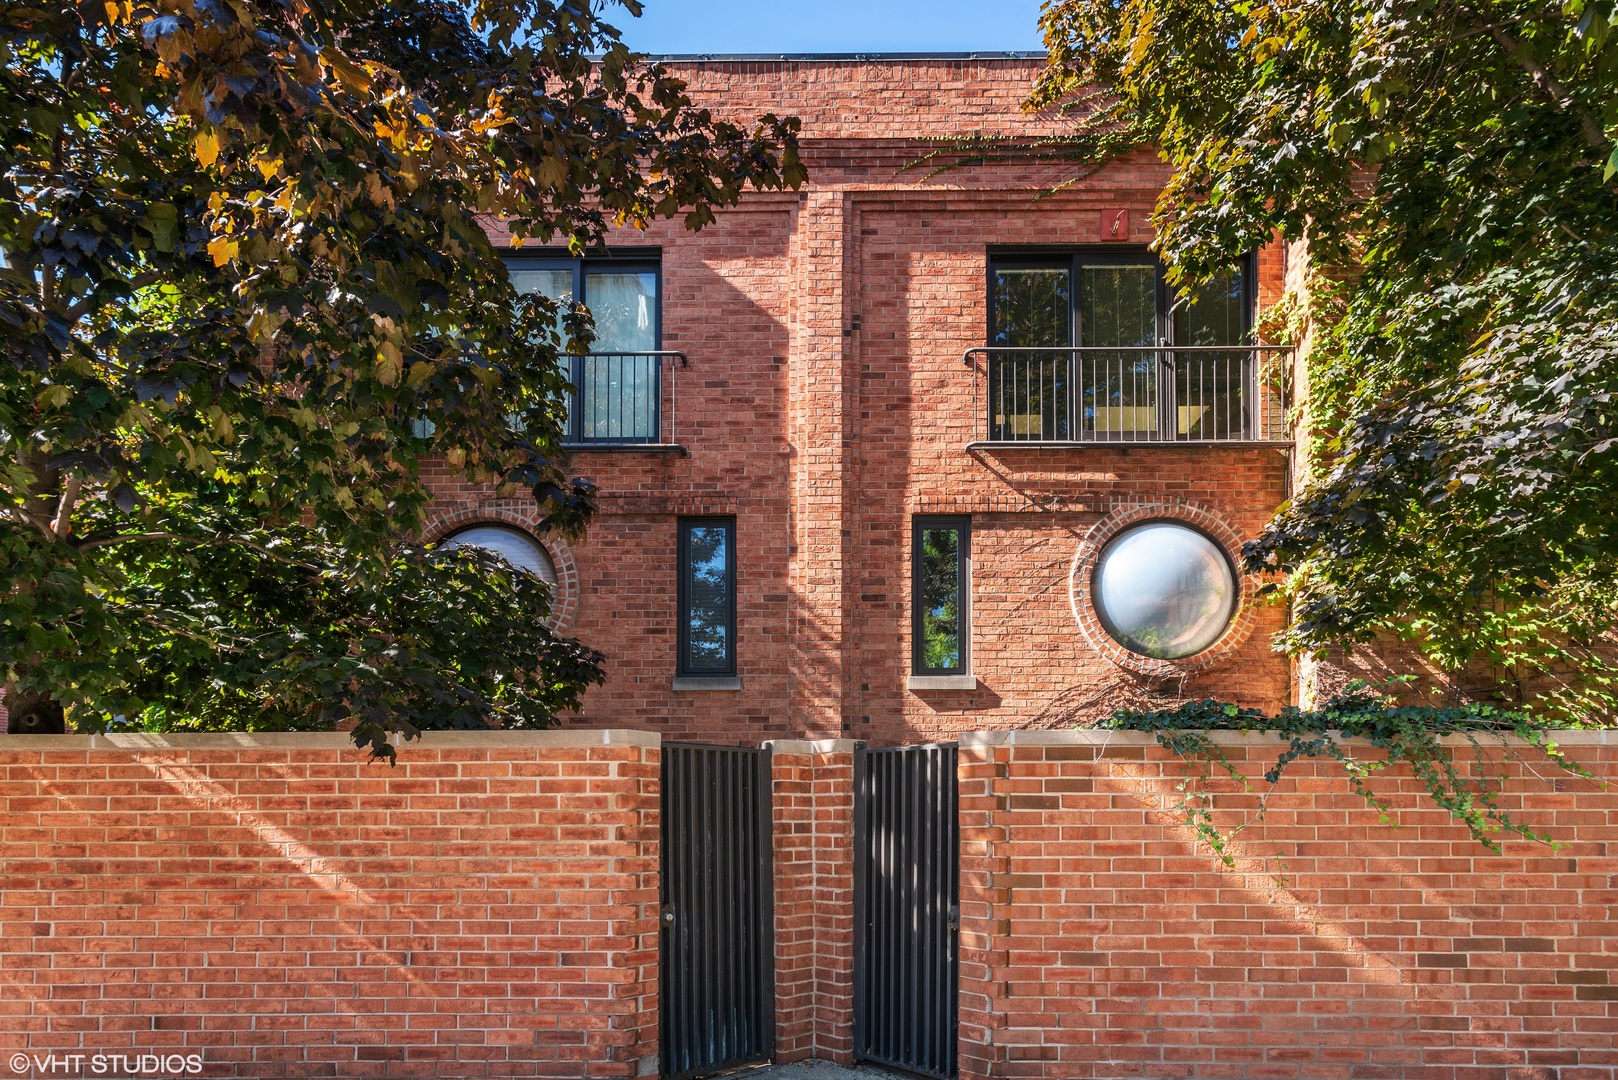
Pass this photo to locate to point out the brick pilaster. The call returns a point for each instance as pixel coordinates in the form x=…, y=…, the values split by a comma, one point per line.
x=814, y=898
x=819, y=436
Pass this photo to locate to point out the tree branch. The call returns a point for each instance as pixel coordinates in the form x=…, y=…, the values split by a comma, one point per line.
x=63, y=523
x=1559, y=94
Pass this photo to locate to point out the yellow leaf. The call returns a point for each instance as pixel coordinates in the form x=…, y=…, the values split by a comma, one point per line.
x=207, y=146
x=268, y=166
x=388, y=363
x=223, y=249
x=347, y=72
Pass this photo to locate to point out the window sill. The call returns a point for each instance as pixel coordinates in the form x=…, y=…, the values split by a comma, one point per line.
x=942, y=682
x=707, y=682
x=625, y=448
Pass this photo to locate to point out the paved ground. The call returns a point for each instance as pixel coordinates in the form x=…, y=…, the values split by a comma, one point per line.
x=812, y=1070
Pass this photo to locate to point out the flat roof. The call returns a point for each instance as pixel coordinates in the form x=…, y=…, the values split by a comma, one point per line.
x=1033, y=54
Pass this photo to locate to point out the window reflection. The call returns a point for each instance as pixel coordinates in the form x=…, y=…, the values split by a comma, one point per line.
x=708, y=585
x=940, y=599
x=1164, y=590
x=517, y=548
x=617, y=384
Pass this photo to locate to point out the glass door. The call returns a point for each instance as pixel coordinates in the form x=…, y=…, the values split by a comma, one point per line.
x=617, y=394
x=1120, y=389
x=1030, y=393
x=1215, y=391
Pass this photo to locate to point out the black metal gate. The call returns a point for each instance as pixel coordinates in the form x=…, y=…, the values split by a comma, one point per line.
x=717, y=976
x=907, y=840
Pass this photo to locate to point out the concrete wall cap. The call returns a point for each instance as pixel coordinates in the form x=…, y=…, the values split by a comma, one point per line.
x=328, y=740
x=812, y=746
x=1104, y=736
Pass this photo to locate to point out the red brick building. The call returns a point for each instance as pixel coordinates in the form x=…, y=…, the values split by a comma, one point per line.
x=898, y=458
x=826, y=431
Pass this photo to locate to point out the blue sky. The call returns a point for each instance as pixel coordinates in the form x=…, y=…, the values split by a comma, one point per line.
x=765, y=26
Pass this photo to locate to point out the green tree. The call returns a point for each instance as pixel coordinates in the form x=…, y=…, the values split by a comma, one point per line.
x=1452, y=166
x=243, y=264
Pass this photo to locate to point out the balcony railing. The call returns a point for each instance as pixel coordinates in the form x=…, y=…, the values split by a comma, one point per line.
x=623, y=399
x=1103, y=394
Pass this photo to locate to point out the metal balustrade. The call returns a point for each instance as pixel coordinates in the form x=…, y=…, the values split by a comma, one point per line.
x=1106, y=394
x=623, y=398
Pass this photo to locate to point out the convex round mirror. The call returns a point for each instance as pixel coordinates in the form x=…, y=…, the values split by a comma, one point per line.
x=1164, y=590
x=516, y=547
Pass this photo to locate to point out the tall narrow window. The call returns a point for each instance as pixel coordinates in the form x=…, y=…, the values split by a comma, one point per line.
x=941, y=631
x=707, y=596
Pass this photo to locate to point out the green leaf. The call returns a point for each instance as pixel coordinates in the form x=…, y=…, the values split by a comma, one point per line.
x=162, y=221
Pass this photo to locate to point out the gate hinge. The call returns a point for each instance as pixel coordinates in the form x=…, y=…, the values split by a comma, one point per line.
x=954, y=917
x=668, y=914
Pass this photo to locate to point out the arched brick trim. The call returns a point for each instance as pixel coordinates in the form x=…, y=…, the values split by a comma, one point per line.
x=1135, y=513
x=453, y=517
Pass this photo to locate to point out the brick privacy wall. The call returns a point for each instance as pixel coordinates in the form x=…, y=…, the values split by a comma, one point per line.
x=487, y=908
x=1098, y=941
x=814, y=899
x=826, y=403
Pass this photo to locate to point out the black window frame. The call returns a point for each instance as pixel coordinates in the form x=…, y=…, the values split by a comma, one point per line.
x=635, y=260
x=1073, y=259
x=684, y=526
x=963, y=584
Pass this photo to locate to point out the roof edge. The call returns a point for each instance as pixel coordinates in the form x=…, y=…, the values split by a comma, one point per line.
x=834, y=58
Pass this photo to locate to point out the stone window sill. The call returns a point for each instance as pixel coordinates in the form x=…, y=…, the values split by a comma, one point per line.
x=942, y=682
x=707, y=682
x=625, y=448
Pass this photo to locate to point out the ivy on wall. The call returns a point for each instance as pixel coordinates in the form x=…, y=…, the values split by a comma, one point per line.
x=1424, y=739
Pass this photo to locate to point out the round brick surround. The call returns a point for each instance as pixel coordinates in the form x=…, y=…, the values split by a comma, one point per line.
x=452, y=518
x=1186, y=513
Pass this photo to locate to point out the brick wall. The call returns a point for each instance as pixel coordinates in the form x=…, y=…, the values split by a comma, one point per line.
x=1098, y=941
x=497, y=914
x=281, y=907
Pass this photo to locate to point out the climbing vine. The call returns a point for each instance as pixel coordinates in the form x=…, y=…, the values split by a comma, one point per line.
x=1425, y=739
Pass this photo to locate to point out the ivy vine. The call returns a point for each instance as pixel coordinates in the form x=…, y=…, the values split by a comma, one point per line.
x=1407, y=734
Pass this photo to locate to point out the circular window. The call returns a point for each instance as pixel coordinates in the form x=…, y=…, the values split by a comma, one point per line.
x=1164, y=590
x=516, y=547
